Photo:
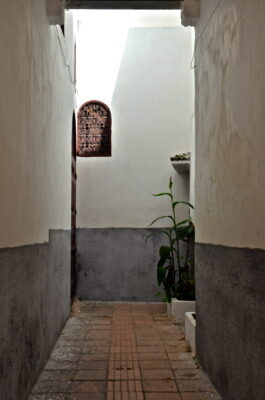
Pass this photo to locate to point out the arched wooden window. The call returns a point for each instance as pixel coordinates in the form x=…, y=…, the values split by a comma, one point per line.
x=94, y=130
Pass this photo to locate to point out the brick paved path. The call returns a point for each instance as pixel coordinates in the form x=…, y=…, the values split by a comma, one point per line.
x=114, y=351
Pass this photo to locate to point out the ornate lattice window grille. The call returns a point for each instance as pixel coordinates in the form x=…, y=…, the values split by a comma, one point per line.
x=94, y=130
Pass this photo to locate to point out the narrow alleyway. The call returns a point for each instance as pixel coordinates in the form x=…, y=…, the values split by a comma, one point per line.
x=111, y=351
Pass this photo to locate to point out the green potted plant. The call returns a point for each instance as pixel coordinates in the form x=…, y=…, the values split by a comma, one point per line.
x=175, y=270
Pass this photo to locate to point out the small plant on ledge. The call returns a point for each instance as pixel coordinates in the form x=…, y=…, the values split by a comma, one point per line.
x=174, y=270
x=181, y=157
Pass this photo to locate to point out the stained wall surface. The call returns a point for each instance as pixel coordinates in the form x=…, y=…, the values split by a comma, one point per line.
x=229, y=193
x=36, y=103
x=230, y=165
x=36, y=110
x=117, y=264
x=35, y=302
x=230, y=319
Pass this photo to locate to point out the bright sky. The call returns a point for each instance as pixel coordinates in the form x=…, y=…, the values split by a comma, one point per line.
x=101, y=37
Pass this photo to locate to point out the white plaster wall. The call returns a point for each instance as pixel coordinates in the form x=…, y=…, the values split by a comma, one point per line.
x=150, y=97
x=230, y=112
x=193, y=129
x=36, y=106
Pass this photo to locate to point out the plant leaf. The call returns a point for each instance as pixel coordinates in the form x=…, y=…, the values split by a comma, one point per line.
x=162, y=262
x=164, y=253
x=161, y=273
x=192, y=228
x=170, y=183
x=163, y=194
x=185, y=221
x=164, y=216
x=183, y=232
x=182, y=202
x=148, y=237
x=167, y=234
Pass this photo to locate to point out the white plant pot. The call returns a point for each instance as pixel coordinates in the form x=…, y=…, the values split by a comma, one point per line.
x=179, y=308
x=190, y=330
x=169, y=309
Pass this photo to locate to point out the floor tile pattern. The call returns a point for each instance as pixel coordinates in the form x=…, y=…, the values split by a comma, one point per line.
x=118, y=351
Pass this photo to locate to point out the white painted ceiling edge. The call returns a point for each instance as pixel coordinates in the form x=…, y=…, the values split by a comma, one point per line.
x=190, y=11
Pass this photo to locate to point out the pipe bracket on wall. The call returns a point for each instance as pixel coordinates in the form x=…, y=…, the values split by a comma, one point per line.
x=190, y=12
x=55, y=11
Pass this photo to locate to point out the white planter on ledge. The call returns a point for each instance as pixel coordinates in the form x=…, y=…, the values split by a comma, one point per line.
x=169, y=309
x=179, y=308
x=190, y=330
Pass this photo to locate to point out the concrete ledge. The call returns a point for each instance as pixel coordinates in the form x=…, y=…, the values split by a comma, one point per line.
x=180, y=307
x=190, y=330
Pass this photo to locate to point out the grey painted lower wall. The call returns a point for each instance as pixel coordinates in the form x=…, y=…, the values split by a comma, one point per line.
x=34, y=302
x=230, y=308
x=115, y=264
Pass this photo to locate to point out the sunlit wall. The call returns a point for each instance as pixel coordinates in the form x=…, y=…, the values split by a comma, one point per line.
x=138, y=63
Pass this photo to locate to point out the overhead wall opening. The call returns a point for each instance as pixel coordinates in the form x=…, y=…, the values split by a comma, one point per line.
x=137, y=62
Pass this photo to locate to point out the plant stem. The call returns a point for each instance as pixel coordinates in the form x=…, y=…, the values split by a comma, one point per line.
x=172, y=257
x=175, y=229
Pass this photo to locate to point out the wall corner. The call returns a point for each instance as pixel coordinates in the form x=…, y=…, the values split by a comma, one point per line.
x=55, y=11
x=190, y=12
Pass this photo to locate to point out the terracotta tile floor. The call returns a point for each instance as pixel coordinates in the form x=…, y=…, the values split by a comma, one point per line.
x=111, y=351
